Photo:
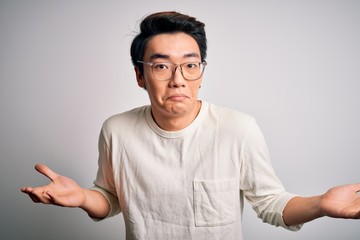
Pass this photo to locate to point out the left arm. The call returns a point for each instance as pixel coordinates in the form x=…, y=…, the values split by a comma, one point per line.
x=338, y=202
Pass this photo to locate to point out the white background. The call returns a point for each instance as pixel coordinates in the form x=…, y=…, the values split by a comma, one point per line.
x=65, y=67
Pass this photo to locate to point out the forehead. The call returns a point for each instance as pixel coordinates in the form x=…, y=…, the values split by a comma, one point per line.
x=171, y=46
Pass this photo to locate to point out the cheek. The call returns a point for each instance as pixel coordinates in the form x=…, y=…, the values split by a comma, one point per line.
x=156, y=90
x=195, y=89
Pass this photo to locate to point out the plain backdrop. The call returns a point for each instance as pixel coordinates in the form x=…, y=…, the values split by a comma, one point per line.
x=65, y=67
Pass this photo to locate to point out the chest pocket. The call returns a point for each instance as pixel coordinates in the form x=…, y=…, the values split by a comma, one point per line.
x=215, y=202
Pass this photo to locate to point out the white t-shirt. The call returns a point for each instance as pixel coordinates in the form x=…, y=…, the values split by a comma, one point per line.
x=188, y=184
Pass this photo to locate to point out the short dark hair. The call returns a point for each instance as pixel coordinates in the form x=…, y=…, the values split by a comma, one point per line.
x=167, y=22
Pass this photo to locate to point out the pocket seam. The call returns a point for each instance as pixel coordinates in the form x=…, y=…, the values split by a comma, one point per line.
x=207, y=205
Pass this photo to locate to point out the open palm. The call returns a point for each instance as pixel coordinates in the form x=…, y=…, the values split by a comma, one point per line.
x=61, y=191
x=342, y=202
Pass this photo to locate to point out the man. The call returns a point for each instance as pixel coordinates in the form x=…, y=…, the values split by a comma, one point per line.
x=181, y=168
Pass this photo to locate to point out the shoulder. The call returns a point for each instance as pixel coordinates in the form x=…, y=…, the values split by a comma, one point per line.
x=230, y=116
x=125, y=119
x=230, y=124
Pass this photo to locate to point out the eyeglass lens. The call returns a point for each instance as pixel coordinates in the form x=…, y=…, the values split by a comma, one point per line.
x=190, y=71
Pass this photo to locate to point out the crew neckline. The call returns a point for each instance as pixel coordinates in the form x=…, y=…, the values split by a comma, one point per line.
x=182, y=132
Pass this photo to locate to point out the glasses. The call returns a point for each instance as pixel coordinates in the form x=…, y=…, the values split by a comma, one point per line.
x=165, y=70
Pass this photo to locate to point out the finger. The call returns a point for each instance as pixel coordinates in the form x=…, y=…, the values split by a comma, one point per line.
x=34, y=198
x=33, y=194
x=39, y=195
x=26, y=189
x=46, y=171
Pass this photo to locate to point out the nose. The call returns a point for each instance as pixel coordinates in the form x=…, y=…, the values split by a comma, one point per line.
x=177, y=80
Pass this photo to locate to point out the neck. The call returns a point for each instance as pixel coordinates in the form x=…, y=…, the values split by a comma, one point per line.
x=176, y=122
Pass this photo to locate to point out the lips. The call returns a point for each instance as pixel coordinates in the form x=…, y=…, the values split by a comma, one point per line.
x=177, y=97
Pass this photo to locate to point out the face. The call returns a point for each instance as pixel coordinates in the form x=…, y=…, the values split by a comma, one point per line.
x=175, y=97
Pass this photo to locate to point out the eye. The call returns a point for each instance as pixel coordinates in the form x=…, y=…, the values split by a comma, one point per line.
x=160, y=66
x=191, y=65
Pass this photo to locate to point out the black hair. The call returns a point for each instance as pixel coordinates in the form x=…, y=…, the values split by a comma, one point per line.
x=167, y=22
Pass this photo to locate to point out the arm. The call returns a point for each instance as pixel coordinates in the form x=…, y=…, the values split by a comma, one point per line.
x=338, y=202
x=96, y=204
x=65, y=192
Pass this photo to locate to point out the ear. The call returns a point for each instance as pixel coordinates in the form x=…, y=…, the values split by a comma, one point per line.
x=139, y=78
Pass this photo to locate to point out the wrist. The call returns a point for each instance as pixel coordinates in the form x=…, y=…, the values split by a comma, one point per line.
x=85, y=194
x=95, y=204
x=317, y=206
x=300, y=210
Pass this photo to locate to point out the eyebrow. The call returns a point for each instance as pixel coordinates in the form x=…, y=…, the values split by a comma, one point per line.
x=164, y=56
x=158, y=55
x=193, y=54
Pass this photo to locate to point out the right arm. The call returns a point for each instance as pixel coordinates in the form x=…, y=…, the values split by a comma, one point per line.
x=65, y=192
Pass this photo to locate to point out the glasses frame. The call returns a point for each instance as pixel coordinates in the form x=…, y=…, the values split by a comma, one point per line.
x=151, y=64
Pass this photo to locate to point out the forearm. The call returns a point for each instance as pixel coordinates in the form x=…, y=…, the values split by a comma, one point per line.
x=300, y=210
x=96, y=205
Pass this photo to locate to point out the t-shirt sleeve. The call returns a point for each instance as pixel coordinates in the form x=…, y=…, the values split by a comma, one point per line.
x=259, y=183
x=104, y=182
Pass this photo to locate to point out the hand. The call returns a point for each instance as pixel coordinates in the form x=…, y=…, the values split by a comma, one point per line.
x=342, y=202
x=61, y=191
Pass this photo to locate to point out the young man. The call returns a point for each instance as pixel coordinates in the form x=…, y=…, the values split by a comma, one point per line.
x=181, y=168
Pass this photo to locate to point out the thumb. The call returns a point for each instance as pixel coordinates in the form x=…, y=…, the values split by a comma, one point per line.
x=44, y=170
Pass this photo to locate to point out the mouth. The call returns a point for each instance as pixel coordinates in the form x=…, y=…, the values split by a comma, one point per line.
x=177, y=98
